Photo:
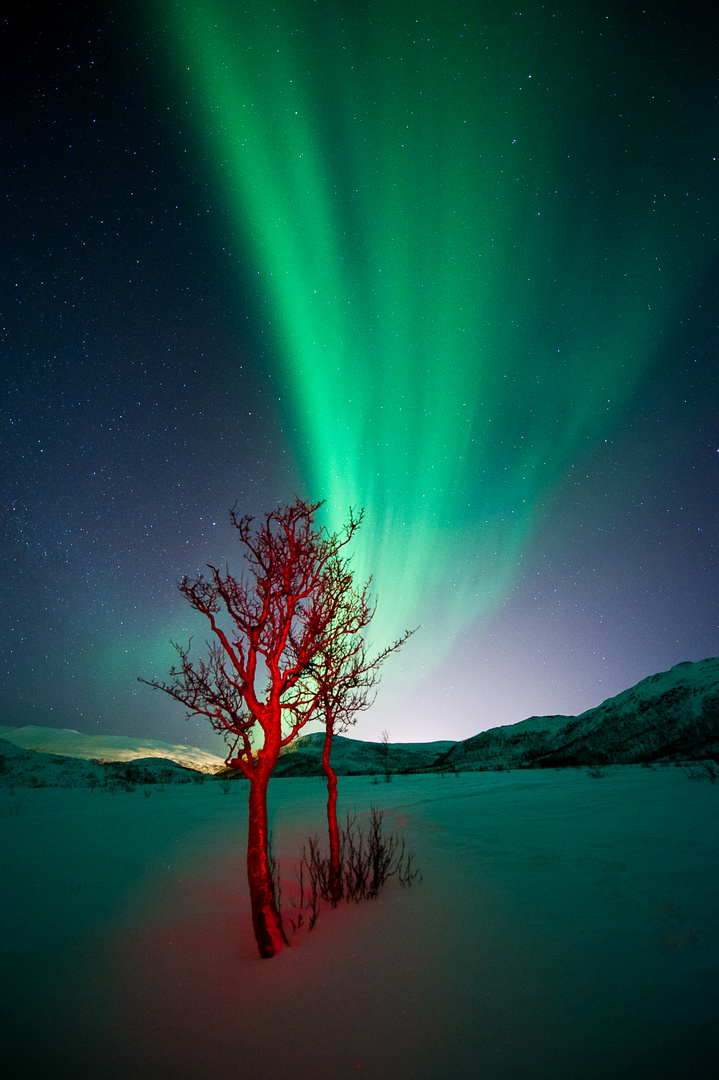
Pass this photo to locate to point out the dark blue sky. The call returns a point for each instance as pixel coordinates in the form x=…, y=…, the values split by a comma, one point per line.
x=141, y=399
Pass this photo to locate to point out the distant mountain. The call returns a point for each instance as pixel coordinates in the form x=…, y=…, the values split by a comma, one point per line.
x=670, y=716
x=353, y=757
x=504, y=747
x=38, y=768
x=69, y=743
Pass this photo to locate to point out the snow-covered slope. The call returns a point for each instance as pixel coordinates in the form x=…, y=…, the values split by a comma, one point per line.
x=504, y=747
x=66, y=742
x=671, y=715
x=37, y=768
x=668, y=716
x=352, y=757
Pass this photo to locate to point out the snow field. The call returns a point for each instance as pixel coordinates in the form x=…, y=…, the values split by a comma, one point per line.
x=566, y=926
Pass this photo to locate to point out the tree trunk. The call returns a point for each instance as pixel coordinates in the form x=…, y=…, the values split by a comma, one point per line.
x=266, y=919
x=335, y=876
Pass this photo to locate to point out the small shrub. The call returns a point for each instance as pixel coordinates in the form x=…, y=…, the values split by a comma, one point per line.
x=367, y=861
x=115, y=784
x=705, y=769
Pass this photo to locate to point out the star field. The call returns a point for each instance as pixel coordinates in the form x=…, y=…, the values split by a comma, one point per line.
x=454, y=264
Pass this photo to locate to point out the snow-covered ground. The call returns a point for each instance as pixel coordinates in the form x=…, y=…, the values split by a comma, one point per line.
x=566, y=927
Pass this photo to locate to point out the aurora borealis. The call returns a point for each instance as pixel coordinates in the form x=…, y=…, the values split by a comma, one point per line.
x=454, y=308
x=449, y=262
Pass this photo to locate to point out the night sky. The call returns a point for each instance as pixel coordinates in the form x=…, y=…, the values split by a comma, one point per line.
x=452, y=262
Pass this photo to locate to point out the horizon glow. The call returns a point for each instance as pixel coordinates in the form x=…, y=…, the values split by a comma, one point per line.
x=460, y=242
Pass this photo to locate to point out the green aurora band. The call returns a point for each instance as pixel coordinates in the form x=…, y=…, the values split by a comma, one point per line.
x=465, y=225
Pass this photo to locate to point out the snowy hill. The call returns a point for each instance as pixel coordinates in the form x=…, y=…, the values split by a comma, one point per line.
x=669, y=716
x=69, y=743
x=504, y=747
x=37, y=768
x=352, y=757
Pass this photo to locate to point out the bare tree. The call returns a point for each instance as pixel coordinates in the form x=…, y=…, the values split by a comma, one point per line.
x=384, y=743
x=345, y=676
x=270, y=627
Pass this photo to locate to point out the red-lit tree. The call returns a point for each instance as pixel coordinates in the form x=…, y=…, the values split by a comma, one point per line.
x=271, y=626
x=344, y=676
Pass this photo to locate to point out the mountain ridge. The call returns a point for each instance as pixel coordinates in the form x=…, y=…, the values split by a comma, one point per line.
x=66, y=742
x=670, y=716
